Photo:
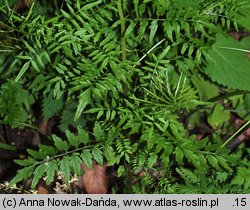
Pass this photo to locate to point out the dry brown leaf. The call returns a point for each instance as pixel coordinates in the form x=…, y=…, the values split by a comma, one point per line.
x=95, y=180
x=42, y=189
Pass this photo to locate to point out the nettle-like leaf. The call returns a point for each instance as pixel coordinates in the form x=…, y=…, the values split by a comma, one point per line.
x=148, y=136
x=152, y=159
x=82, y=136
x=228, y=63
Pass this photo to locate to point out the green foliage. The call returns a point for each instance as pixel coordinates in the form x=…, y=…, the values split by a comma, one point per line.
x=62, y=155
x=51, y=106
x=218, y=116
x=123, y=79
x=15, y=103
x=229, y=58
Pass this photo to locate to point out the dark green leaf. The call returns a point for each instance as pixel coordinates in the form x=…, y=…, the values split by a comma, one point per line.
x=22, y=174
x=47, y=150
x=60, y=144
x=39, y=155
x=38, y=173
x=51, y=171
x=65, y=167
x=179, y=155
x=153, y=29
x=97, y=155
x=25, y=162
x=82, y=136
x=87, y=157
x=98, y=132
x=84, y=99
x=76, y=163
x=229, y=65
x=22, y=71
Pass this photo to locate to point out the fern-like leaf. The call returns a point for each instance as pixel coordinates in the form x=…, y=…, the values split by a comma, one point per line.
x=51, y=106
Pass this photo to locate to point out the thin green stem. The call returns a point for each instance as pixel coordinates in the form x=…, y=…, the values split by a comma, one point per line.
x=155, y=46
x=61, y=155
x=235, y=134
x=123, y=27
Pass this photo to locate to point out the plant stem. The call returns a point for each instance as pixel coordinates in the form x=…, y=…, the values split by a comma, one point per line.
x=123, y=27
x=124, y=57
x=156, y=45
x=61, y=155
x=236, y=133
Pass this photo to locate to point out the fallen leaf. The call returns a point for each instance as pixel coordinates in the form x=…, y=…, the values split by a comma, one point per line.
x=95, y=180
x=42, y=189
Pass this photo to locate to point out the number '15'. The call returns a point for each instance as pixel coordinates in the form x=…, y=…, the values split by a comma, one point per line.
x=241, y=201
